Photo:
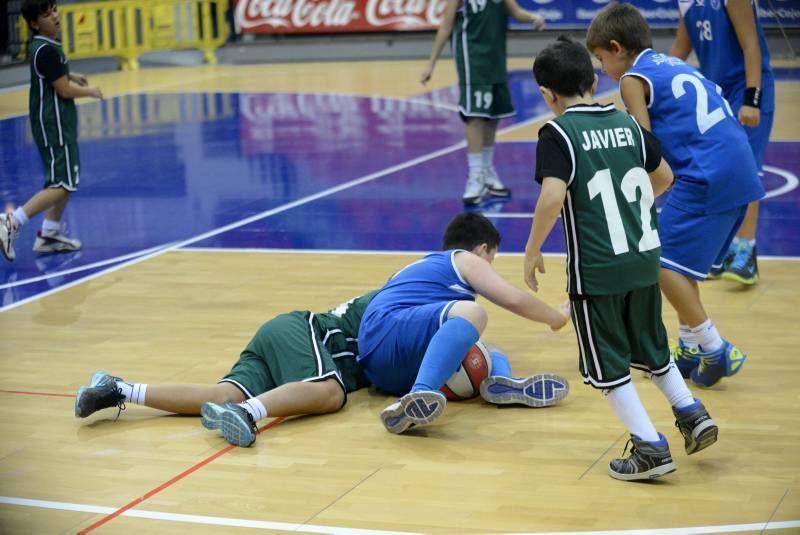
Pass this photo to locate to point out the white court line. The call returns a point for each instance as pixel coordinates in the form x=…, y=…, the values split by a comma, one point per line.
x=312, y=528
x=85, y=267
x=282, y=208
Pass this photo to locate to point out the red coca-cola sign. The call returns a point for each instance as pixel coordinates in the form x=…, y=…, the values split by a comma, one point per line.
x=326, y=16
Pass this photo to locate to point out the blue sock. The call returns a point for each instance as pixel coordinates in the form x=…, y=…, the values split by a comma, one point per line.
x=445, y=352
x=500, y=365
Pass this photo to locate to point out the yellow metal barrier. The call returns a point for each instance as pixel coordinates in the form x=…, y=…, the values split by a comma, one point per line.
x=128, y=28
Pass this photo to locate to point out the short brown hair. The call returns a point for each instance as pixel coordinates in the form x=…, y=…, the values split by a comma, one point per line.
x=622, y=23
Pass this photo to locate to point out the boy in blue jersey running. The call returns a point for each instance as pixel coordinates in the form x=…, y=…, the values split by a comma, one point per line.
x=417, y=329
x=716, y=176
x=732, y=50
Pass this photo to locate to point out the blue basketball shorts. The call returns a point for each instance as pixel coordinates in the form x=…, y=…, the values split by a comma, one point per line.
x=692, y=243
x=394, y=356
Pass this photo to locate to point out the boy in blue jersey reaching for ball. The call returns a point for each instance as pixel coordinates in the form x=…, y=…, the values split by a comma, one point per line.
x=732, y=50
x=716, y=176
x=417, y=329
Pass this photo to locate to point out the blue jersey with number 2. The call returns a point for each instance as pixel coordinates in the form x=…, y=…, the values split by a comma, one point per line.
x=701, y=139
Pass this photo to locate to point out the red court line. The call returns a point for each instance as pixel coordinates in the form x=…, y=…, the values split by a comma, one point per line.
x=175, y=479
x=37, y=393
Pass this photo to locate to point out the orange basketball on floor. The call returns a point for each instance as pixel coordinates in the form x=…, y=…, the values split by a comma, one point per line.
x=466, y=382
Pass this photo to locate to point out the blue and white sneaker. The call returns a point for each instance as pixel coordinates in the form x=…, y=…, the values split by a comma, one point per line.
x=415, y=409
x=724, y=362
x=744, y=266
x=238, y=427
x=541, y=390
x=686, y=358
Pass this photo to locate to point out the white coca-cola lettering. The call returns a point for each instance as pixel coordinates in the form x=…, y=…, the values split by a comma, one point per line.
x=405, y=12
x=323, y=13
x=251, y=13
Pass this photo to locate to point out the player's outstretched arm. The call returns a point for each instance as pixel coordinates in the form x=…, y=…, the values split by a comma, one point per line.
x=682, y=45
x=551, y=199
x=442, y=35
x=481, y=276
x=523, y=15
x=744, y=24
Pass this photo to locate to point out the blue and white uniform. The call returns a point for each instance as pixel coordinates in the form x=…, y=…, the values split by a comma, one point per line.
x=709, y=153
x=721, y=59
x=403, y=317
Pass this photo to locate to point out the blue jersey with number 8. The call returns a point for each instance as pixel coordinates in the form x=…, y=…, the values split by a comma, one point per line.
x=700, y=137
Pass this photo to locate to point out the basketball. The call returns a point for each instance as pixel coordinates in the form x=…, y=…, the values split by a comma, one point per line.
x=466, y=382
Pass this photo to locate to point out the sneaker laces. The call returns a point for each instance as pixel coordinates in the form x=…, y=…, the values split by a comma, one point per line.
x=743, y=253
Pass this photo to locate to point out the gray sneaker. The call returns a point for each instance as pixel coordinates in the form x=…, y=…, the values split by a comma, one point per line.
x=102, y=393
x=413, y=410
x=8, y=233
x=541, y=390
x=698, y=429
x=238, y=427
x=648, y=460
x=494, y=184
x=54, y=242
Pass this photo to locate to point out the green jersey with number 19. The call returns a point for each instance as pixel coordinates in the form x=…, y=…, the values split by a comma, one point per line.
x=608, y=214
x=478, y=42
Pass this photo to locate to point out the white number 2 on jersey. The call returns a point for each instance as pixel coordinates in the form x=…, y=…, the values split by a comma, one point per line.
x=705, y=120
x=635, y=178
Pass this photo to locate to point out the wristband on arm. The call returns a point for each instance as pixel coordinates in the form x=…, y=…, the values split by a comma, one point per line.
x=752, y=97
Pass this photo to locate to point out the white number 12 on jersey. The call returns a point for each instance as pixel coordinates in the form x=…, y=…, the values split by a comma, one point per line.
x=635, y=178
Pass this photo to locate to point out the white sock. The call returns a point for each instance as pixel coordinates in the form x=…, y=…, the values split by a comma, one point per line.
x=51, y=226
x=487, y=155
x=133, y=392
x=687, y=336
x=256, y=409
x=475, y=162
x=19, y=216
x=674, y=387
x=625, y=402
x=707, y=337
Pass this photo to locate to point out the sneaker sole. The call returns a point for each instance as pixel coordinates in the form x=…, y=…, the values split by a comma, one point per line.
x=500, y=193
x=535, y=391
x=234, y=429
x=415, y=409
x=707, y=434
x=653, y=473
x=734, y=277
x=94, y=381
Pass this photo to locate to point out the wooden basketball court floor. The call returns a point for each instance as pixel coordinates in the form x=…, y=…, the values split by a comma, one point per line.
x=181, y=309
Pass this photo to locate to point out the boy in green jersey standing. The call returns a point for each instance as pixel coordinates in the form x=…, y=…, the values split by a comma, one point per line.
x=54, y=124
x=601, y=171
x=477, y=30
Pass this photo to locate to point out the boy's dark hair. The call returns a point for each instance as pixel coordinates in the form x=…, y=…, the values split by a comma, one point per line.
x=624, y=24
x=31, y=9
x=468, y=230
x=564, y=67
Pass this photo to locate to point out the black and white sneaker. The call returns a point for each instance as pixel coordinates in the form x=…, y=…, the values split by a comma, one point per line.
x=648, y=460
x=475, y=190
x=237, y=426
x=54, y=242
x=8, y=233
x=695, y=424
x=493, y=183
x=102, y=393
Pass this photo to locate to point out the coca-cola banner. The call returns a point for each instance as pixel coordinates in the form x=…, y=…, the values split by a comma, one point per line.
x=331, y=16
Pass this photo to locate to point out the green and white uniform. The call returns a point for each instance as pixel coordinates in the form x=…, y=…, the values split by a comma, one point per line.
x=54, y=120
x=612, y=241
x=303, y=346
x=478, y=43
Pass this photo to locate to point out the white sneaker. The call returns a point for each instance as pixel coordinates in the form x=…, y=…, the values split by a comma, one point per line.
x=493, y=183
x=8, y=233
x=475, y=190
x=54, y=241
